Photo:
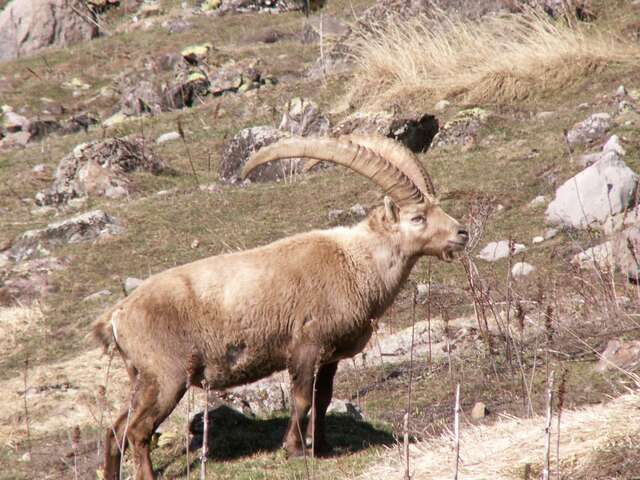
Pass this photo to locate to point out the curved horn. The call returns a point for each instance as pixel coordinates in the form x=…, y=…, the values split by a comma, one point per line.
x=401, y=157
x=358, y=158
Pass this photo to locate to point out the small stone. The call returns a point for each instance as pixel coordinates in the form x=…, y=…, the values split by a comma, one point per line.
x=196, y=53
x=522, y=269
x=26, y=457
x=537, y=240
x=545, y=115
x=358, y=211
x=195, y=244
x=538, y=201
x=625, y=107
x=479, y=411
x=97, y=295
x=422, y=292
x=621, y=91
x=335, y=214
x=42, y=211
x=168, y=137
x=442, y=105
x=116, y=119
x=549, y=233
x=583, y=106
x=4, y=260
x=620, y=354
x=345, y=408
x=590, y=129
x=130, y=284
x=40, y=168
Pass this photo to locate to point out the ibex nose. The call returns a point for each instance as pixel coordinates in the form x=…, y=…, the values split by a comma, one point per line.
x=463, y=234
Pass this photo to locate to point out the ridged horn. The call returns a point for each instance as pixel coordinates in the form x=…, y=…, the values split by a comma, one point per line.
x=358, y=158
x=401, y=157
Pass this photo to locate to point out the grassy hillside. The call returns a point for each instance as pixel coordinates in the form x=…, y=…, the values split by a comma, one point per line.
x=557, y=318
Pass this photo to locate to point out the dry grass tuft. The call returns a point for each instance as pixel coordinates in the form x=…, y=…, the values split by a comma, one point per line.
x=496, y=59
x=501, y=451
x=16, y=322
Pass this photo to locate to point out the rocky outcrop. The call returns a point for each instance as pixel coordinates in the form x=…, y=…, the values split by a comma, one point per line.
x=620, y=354
x=27, y=26
x=414, y=131
x=80, y=228
x=463, y=129
x=589, y=130
x=100, y=168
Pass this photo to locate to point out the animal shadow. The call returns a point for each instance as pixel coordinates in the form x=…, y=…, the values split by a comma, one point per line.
x=232, y=435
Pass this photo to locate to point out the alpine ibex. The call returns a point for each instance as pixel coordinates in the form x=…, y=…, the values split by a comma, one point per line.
x=302, y=303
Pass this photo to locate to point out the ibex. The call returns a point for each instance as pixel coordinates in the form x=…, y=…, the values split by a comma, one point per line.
x=302, y=303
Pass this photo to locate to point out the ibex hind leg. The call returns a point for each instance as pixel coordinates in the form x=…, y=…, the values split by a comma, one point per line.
x=151, y=403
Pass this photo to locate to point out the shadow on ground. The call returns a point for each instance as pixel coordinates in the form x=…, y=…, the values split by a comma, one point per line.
x=233, y=435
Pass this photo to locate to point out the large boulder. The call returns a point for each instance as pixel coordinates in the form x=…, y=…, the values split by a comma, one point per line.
x=494, y=251
x=27, y=26
x=605, y=188
x=100, y=168
x=414, y=131
x=247, y=141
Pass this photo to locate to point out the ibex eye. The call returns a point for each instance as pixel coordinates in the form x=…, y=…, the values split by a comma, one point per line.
x=418, y=219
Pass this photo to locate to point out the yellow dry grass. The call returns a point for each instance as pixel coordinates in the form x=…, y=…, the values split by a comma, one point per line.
x=497, y=59
x=502, y=450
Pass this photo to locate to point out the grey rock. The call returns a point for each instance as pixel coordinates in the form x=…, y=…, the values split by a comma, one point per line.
x=14, y=122
x=27, y=26
x=80, y=228
x=168, y=137
x=415, y=132
x=263, y=397
x=442, y=105
x=589, y=130
x=100, y=168
x=268, y=6
x=620, y=354
x=600, y=256
x=621, y=91
x=545, y=115
x=130, y=284
x=537, y=239
x=247, y=141
x=343, y=407
x=613, y=145
x=463, y=129
x=358, y=211
x=627, y=253
x=479, y=411
x=538, y=201
x=549, y=233
x=522, y=269
x=496, y=250
x=97, y=296
x=605, y=188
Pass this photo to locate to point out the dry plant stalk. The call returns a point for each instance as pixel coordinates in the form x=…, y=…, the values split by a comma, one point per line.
x=560, y=404
x=26, y=406
x=456, y=430
x=205, y=432
x=547, y=430
x=407, y=473
x=75, y=444
x=192, y=366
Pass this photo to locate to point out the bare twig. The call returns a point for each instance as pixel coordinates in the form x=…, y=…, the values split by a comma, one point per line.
x=456, y=430
x=186, y=147
x=547, y=429
x=559, y=406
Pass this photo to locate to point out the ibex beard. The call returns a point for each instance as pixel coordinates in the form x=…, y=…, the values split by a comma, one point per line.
x=302, y=303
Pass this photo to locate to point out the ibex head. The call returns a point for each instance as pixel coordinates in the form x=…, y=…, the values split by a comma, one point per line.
x=410, y=214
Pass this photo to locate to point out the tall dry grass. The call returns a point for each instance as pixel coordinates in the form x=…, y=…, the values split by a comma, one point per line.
x=495, y=59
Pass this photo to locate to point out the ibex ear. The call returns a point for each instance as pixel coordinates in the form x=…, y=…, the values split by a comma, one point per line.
x=390, y=210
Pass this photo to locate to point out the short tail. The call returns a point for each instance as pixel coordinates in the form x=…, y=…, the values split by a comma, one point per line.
x=103, y=330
